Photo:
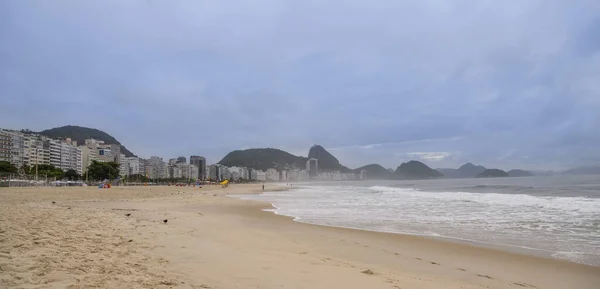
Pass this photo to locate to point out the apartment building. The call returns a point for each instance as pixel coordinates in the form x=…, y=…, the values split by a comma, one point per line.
x=200, y=162
x=272, y=175
x=5, y=146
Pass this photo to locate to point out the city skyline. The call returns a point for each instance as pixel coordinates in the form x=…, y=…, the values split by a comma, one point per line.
x=504, y=84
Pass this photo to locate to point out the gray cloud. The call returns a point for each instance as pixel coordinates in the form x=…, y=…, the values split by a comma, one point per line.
x=501, y=83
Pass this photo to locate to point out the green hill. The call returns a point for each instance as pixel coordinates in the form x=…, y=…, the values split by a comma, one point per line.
x=263, y=159
x=79, y=134
x=327, y=162
x=416, y=170
x=375, y=171
x=493, y=173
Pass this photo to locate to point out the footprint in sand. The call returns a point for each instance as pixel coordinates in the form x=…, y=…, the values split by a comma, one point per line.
x=484, y=276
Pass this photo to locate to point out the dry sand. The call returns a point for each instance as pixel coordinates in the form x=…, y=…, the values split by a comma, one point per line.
x=85, y=240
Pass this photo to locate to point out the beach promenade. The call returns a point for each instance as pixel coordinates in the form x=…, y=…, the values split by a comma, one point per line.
x=185, y=237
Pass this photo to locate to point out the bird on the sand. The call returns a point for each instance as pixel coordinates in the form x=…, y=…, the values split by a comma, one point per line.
x=127, y=215
x=165, y=221
x=53, y=202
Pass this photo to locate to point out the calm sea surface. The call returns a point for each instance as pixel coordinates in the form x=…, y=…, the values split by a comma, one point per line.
x=552, y=216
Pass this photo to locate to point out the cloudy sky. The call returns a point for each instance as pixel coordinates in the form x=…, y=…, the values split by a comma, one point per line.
x=500, y=83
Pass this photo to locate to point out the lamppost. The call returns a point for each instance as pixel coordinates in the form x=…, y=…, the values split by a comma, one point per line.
x=37, y=144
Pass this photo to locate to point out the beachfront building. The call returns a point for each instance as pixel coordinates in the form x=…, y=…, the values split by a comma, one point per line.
x=188, y=171
x=181, y=160
x=36, y=150
x=5, y=146
x=12, y=147
x=55, y=149
x=133, y=165
x=312, y=166
x=156, y=168
x=212, y=172
x=297, y=175
x=239, y=173
x=175, y=172
x=272, y=175
x=124, y=166
x=172, y=161
x=200, y=162
x=70, y=157
x=283, y=175
x=88, y=155
x=260, y=175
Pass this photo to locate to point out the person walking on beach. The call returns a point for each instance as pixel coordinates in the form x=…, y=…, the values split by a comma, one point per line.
x=263, y=187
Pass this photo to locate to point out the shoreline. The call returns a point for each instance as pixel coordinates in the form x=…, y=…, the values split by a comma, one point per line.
x=502, y=247
x=270, y=208
x=83, y=237
x=508, y=248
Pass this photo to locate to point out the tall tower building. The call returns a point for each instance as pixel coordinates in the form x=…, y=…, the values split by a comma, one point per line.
x=312, y=167
x=200, y=162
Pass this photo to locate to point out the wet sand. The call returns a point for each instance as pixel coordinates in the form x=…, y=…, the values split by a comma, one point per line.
x=86, y=240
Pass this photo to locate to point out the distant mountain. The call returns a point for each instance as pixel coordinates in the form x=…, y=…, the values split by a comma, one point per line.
x=520, y=173
x=375, y=172
x=327, y=162
x=79, y=134
x=583, y=171
x=493, y=173
x=263, y=159
x=416, y=170
x=467, y=170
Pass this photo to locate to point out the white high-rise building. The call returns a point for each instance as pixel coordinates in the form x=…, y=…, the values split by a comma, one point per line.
x=272, y=175
x=55, y=152
x=36, y=150
x=88, y=155
x=70, y=157
x=133, y=165
x=12, y=147
x=188, y=171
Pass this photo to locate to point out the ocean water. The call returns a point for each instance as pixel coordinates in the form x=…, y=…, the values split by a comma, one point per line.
x=553, y=216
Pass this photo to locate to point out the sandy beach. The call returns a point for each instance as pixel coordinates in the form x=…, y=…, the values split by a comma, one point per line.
x=118, y=238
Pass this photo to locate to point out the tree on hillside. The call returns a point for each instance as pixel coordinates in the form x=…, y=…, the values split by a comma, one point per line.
x=7, y=167
x=72, y=175
x=102, y=171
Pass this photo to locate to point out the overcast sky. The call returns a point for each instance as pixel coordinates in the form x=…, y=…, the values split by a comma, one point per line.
x=501, y=83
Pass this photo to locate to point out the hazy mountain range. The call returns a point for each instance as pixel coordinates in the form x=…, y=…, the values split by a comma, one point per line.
x=264, y=158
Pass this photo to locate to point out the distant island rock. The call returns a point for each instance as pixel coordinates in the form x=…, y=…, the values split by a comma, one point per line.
x=263, y=159
x=520, y=173
x=375, y=172
x=80, y=134
x=467, y=170
x=413, y=170
x=327, y=162
x=493, y=173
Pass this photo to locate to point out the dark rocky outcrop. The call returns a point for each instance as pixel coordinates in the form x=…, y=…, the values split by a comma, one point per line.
x=415, y=170
x=327, y=162
x=467, y=170
x=375, y=172
x=493, y=173
x=263, y=159
x=520, y=173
